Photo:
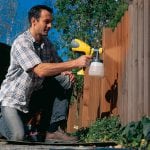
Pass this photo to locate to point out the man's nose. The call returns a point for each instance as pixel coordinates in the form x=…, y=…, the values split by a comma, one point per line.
x=49, y=25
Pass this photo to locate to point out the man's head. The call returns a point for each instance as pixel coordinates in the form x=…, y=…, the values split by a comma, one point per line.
x=40, y=19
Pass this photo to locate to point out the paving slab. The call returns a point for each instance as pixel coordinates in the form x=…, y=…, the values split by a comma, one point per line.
x=21, y=145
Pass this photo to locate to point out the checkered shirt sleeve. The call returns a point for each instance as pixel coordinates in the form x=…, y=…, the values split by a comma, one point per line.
x=24, y=54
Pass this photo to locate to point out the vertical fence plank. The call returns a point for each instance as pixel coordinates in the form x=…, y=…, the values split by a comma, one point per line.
x=148, y=2
x=134, y=51
x=120, y=103
x=132, y=67
x=94, y=100
x=129, y=84
x=140, y=99
x=72, y=118
x=85, y=104
x=146, y=56
x=105, y=106
x=124, y=74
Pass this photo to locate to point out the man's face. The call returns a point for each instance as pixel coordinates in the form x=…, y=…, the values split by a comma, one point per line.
x=43, y=24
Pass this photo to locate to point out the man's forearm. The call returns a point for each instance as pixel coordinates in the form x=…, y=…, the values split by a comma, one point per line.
x=50, y=69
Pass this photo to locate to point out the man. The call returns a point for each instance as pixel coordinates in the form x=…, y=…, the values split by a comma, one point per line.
x=32, y=60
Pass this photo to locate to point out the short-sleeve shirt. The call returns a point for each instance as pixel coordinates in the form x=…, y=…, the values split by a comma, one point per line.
x=20, y=80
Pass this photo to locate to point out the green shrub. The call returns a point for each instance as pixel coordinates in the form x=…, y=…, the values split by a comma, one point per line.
x=103, y=130
x=134, y=134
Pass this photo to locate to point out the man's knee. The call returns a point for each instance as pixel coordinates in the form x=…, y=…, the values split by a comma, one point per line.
x=17, y=136
x=64, y=81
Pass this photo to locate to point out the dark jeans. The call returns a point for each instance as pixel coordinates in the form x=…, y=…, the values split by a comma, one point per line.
x=52, y=101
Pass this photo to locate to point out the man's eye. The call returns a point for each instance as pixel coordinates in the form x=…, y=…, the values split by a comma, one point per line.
x=46, y=21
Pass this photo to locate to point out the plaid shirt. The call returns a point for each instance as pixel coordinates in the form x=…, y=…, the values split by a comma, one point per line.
x=20, y=81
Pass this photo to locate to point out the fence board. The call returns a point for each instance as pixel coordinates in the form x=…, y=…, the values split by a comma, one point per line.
x=123, y=76
x=134, y=60
x=146, y=56
x=84, y=108
x=140, y=41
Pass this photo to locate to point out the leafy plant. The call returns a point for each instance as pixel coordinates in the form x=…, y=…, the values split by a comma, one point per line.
x=105, y=129
x=134, y=134
x=85, y=19
x=118, y=15
x=81, y=134
x=78, y=88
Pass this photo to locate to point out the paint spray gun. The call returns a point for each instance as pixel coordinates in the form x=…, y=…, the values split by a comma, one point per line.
x=96, y=67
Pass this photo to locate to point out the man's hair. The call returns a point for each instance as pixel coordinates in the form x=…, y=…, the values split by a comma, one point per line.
x=35, y=11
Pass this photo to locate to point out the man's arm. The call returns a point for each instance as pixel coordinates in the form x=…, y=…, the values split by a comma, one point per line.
x=50, y=69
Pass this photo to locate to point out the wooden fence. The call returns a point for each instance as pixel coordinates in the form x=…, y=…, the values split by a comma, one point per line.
x=125, y=89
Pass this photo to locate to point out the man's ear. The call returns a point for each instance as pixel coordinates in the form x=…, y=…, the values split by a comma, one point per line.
x=33, y=20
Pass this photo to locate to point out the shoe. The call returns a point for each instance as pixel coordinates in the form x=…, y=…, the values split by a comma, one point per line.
x=2, y=138
x=59, y=137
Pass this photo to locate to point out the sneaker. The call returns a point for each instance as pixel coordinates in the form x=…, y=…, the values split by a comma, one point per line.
x=2, y=138
x=59, y=137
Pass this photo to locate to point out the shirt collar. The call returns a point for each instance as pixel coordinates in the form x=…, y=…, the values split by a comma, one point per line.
x=30, y=36
x=33, y=40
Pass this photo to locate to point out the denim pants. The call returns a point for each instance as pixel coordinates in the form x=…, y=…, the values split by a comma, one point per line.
x=52, y=101
x=11, y=124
